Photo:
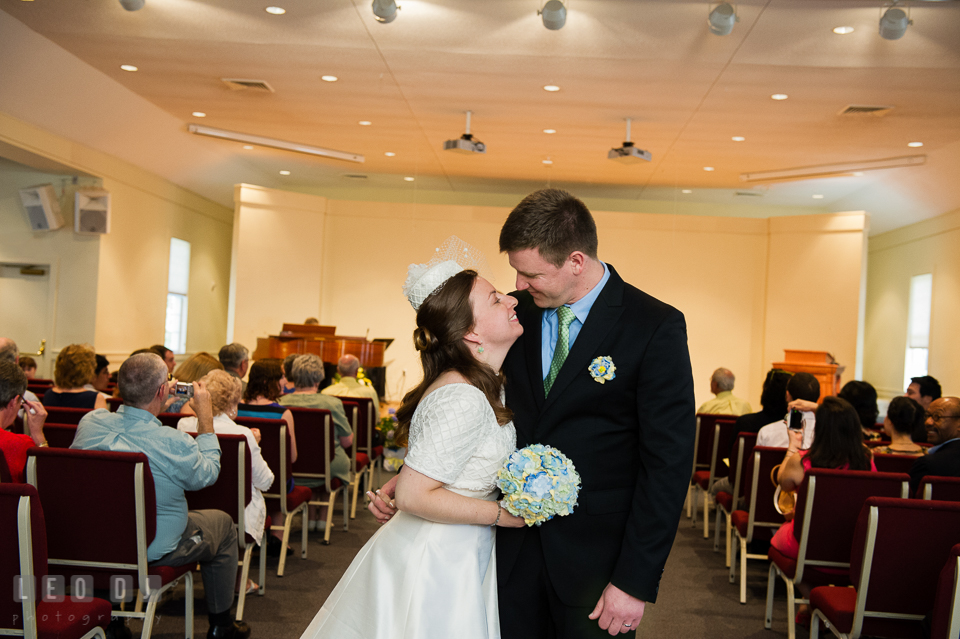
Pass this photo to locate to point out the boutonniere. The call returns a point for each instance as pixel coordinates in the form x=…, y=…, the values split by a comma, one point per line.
x=602, y=369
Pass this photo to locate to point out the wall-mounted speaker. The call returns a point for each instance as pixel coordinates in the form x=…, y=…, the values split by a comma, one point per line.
x=91, y=212
x=42, y=207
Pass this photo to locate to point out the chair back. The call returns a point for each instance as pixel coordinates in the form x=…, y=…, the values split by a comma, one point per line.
x=828, y=504
x=892, y=572
x=275, y=450
x=5, y=476
x=939, y=488
x=946, y=605
x=59, y=435
x=231, y=492
x=893, y=463
x=113, y=403
x=63, y=415
x=94, y=487
x=723, y=433
x=352, y=409
x=743, y=451
x=21, y=518
x=172, y=419
x=363, y=432
x=315, y=443
x=759, y=490
x=703, y=440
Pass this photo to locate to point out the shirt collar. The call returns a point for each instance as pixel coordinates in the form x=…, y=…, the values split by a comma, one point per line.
x=138, y=414
x=724, y=394
x=581, y=308
x=934, y=449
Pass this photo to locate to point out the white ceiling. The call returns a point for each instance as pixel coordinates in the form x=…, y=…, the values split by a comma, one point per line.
x=687, y=91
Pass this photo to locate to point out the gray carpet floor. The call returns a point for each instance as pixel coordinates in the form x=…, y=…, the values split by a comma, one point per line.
x=695, y=600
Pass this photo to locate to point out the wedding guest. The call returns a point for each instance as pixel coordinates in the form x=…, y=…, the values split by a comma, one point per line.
x=924, y=390
x=192, y=369
x=101, y=376
x=236, y=360
x=348, y=366
x=10, y=353
x=166, y=354
x=943, y=431
x=800, y=386
x=14, y=446
x=863, y=397
x=75, y=367
x=721, y=385
x=287, y=385
x=904, y=417
x=29, y=366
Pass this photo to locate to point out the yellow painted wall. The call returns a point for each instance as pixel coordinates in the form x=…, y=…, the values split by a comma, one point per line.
x=895, y=257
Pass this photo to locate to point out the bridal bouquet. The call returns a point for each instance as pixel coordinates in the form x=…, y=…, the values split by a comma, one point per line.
x=538, y=482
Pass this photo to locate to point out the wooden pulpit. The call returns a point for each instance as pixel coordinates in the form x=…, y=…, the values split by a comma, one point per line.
x=820, y=364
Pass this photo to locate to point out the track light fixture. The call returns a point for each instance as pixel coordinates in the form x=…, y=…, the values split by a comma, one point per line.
x=132, y=5
x=553, y=14
x=385, y=10
x=722, y=19
x=894, y=23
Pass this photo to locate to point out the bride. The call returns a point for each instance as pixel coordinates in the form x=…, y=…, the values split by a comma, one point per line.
x=430, y=572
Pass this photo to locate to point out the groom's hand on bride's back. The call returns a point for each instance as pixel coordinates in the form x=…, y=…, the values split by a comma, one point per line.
x=381, y=502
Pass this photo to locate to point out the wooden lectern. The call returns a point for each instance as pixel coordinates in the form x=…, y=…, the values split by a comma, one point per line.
x=820, y=364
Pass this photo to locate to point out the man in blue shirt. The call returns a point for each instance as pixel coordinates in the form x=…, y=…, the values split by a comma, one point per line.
x=178, y=462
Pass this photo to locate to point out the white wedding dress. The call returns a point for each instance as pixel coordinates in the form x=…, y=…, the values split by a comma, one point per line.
x=420, y=579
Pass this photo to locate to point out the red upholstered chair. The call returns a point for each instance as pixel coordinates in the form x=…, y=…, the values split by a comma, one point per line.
x=83, y=486
x=27, y=613
x=316, y=448
x=61, y=415
x=895, y=577
x=828, y=503
x=946, y=604
x=363, y=440
x=231, y=493
x=59, y=435
x=172, y=419
x=5, y=477
x=939, y=488
x=893, y=463
x=113, y=403
x=703, y=480
x=702, y=456
x=275, y=450
x=761, y=519
x=727, y=502
x=359, y=462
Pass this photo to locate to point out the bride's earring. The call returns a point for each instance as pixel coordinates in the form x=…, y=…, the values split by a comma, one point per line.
x=480, y=349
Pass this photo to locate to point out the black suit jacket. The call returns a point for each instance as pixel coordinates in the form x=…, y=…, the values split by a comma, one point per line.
x=631, y=440
x=943, y=463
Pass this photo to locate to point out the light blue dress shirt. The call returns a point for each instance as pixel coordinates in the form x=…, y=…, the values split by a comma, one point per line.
x=178, y=462
x=550, y=324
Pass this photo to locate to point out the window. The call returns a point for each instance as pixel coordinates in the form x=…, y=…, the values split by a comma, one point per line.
x=178, y=283
x=918, y=327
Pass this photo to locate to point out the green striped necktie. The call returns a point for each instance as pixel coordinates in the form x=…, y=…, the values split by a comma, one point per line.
x=565, y=316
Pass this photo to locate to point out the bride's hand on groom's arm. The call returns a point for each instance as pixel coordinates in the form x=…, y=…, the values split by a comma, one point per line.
x=381, y=503
x=616, y=609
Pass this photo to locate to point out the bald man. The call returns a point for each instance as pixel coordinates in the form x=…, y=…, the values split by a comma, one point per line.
x=348, y=366
x=721, y=385
x=943, y=431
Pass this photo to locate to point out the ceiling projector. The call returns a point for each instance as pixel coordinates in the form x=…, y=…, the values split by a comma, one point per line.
x=466, y=143
x=629, y=154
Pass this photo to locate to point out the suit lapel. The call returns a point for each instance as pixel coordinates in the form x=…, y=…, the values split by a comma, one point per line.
x=532, y=321
x=604, y=315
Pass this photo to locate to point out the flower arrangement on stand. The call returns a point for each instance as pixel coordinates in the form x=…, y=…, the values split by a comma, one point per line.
x=393, y=453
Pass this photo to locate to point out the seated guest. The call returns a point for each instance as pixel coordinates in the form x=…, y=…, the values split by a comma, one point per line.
x=178, y=462
x=75, y=367
x=10, y=353
x=863, y=397
x=101, y=376
x=838, y=444
x=224, y=392
x=260, y=398
x=943, y=431
x=721, y=385
x=923, y=390
x=348, y=366
x=13, y=383
x=903, y=417
x=192, y=369
x=287, y=385
x=29, y=366
x=311, y=321
x=167, y=355
x=803, y=391
x=308, y=373
x=236, y=360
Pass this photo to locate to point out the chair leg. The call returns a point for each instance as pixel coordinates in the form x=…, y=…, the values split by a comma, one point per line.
x=283, y=549
x=743, y=570
x=356, y=490
x=148, y=618
x=694, y=499
x=244, y=574
x=689, y=500
x=346, y=507
x=732, y=564
x=815, y=624
x=331, y=500
x=729, y=536
x=188, y=613
x=706, y=514
x=791, y=611
x=263, y=565
x=716, y=530
x=771, y=584
x=304, y=518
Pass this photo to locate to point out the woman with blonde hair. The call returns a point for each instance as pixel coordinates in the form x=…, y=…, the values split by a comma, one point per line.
x=192, y=369
x=76, y=366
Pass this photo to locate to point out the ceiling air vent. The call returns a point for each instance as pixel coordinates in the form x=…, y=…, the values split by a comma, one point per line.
x=866, y=109
x=354, y=176
x=239, y=84
x=749, y=194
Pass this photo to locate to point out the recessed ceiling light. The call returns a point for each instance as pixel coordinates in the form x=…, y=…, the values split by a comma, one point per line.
x=551, y=87
x=914, y=144
x=389, y=154
x=284, y=172
x=364, y=122
x=686, y=191
x=858, y=174
x=708, y=168
x=843, y=30
x=549, y=131
x=779, y=96
x=247, y=146
x=738, y=138
x=199, y=114
x=128, y=67
x=818, y=197
x=408, y=179
x=328, y=78
x=547, y=161
x=277, y=11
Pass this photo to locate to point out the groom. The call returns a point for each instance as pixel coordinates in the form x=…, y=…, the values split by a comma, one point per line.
x=630, y=437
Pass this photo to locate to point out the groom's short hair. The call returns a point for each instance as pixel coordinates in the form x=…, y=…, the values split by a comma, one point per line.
x=552, y=221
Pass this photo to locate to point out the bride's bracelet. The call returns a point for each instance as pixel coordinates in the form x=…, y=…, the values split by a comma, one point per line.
x=497, y=520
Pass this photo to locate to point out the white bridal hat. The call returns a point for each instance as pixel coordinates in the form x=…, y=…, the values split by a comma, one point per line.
x=451, y=257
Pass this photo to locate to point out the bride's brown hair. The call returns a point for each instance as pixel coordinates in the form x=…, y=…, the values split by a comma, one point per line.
x=442, y=321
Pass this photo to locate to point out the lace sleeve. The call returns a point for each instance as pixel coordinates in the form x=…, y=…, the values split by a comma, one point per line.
x=446, y=430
